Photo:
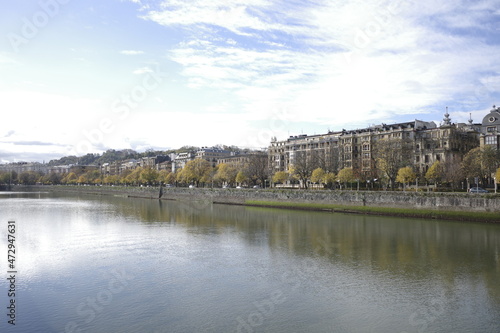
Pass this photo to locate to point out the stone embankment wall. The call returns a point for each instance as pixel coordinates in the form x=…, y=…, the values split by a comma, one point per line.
x=417, y=200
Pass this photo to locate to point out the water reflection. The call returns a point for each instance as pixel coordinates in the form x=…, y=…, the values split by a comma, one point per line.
x=195, y=266
x=409, y=249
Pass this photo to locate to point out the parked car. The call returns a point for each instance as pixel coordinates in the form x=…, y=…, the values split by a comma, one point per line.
x=477, y=190
x=256, y=186
x=192, y=186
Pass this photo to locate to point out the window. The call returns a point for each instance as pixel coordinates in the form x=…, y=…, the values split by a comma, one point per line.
x=491, y=129
x=491, y=140
x=417, y=159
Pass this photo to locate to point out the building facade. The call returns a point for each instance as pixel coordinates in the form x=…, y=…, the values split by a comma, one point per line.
x=424, y=142
x=490, y=129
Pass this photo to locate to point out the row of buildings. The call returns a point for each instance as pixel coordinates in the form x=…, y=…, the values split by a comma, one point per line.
x=427, y=142
x=172, y=162
x=332, y=151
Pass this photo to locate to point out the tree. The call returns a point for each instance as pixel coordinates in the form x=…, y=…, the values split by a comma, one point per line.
x=434, y=173
x=280, y=177
x=149, y=176
x=330, y=179
x=28, y=177
x=481, y=162
x=195, y=171
x=124, y=176
x=93, y=176
x=4, y=177
x=241, y=177
x=257, y=168
x=303, y=166
x=346, y=175
x=111, y=179
x=406, y=175
x=226, y=173
x=70, y=178
x=391, y=155
x=318, y=176
x=163, y=175
x=54, y=178
x=134, y=176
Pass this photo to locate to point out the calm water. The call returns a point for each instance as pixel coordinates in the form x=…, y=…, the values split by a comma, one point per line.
x=91, y=264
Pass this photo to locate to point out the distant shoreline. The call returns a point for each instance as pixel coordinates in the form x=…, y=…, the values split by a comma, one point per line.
x=443, y=206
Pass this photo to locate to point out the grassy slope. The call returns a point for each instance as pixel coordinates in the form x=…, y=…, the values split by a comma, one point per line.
x=404, y=212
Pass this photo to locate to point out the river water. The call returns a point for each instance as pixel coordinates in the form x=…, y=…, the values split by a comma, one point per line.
x=111, y=264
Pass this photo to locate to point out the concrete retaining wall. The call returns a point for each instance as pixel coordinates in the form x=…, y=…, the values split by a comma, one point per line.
x=417, y=200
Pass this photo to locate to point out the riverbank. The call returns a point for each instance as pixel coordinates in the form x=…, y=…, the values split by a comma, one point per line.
x=449, y=206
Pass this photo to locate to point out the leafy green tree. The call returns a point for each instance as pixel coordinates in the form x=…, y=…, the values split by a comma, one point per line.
x=346, y=175
x=434, y=173
x=318, y=176
x=195, y=171
x=93, y=176
x=124, y=177
x=406, y=175
x=226, y=173
x=163, y=176
x=70, y=178
x=4, y=177
x=241, y=177
x=111, y=179
x=330, y=179
x=28, y=177
x=149, y=176
x=481, y=162
x=134, y=177
x=280, y=177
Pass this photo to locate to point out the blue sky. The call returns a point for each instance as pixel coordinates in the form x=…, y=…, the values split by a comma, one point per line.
x=86, y=76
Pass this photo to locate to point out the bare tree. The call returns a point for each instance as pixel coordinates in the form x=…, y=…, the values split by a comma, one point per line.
x=390, y=155
x=303, y=165
x=257, y=168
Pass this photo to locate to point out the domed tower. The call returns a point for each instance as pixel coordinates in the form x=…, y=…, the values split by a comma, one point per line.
x=490, y=128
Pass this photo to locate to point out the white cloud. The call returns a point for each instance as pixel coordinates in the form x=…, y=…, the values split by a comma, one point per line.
x=131, y=52
x=379, y=59
x=143, y=70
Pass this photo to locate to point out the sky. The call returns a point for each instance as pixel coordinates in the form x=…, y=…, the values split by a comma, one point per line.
x=84, y=76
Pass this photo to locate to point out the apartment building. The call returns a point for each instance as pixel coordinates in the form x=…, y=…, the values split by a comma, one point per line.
x=425, y=143
x=212, y=154
x=490, y=129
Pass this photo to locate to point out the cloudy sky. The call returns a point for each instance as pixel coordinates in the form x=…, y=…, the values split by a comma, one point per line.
x=90, y=75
